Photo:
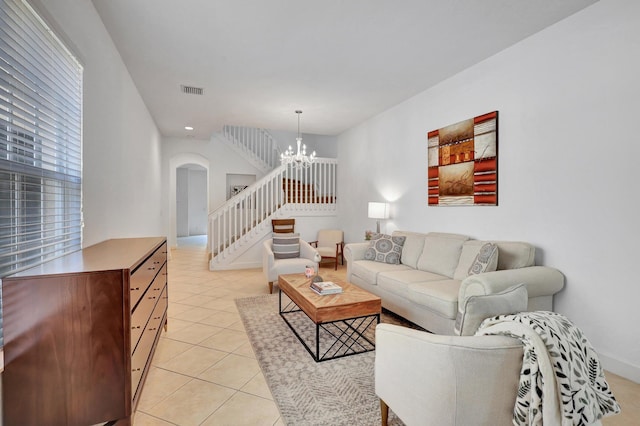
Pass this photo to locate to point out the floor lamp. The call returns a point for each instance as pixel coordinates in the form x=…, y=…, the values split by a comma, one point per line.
x=378, y=211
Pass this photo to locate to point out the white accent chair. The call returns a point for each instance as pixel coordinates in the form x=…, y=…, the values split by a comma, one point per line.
x=429, y=379
x=272, y=267
x=329, y=244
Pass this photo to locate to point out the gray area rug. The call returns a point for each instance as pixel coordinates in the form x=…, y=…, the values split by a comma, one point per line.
x=335, y=392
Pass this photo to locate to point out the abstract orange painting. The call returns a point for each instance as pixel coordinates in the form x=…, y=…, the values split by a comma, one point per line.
x=463, y=163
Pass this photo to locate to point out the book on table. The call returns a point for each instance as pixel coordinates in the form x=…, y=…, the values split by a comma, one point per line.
x=326, y=287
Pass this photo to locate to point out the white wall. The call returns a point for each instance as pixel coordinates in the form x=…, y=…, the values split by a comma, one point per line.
x=182, y=202
x=569, y=100
x=198, y=209
x=121, y=144
x=214, y=156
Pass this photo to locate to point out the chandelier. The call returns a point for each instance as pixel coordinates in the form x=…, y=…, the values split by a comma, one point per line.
x=300, y=160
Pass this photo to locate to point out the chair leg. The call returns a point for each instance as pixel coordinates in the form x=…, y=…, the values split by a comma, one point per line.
x=384, y=412
x=270, y=287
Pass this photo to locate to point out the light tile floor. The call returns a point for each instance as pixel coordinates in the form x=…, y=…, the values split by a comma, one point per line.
x=204, y=371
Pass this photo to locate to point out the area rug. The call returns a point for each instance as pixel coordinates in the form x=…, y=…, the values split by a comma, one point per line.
x=335, y=392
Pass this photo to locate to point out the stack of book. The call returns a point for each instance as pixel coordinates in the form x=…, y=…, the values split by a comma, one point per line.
x=326, y=287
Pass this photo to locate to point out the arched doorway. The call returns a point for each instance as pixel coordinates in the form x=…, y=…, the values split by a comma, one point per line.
x=197, y=166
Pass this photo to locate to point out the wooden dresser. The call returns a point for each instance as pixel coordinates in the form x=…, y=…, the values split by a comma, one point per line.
x=80, y=332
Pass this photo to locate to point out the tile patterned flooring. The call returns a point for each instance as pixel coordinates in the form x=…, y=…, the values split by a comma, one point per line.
x=204, y=371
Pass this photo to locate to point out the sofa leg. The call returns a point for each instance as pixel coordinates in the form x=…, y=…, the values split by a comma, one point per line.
x=270, y=287
x=384, y=412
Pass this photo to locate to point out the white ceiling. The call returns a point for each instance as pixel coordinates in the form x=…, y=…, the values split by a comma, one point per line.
x=340, y=61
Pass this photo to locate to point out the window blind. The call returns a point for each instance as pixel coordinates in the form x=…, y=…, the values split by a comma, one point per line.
x=40, y=142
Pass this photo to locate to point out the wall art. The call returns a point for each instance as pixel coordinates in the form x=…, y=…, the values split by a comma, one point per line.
x=463, y=163
x=236, y=189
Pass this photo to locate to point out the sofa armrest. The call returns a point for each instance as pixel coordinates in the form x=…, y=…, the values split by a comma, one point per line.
x=539, y=280
x=445, y=380
x=355, y=251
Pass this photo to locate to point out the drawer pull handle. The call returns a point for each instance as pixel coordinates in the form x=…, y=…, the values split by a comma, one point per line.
x=135, y=369
x=151, y=269
x=135, y=327
x=135, y=289
x=152, y=297
x=152, y=329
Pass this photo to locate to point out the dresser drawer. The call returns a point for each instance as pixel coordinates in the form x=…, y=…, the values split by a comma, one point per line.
x=141, y=355
x=144, y=275
x=142, y=312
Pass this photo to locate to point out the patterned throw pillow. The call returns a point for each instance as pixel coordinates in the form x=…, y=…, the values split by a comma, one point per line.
x=286, y=246
x=486, y=260
x=385, y=248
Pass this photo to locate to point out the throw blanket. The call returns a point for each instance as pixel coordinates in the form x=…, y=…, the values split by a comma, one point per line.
x=561, y=381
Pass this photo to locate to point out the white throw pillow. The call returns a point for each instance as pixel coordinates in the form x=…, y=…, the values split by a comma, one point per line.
x=476, y=309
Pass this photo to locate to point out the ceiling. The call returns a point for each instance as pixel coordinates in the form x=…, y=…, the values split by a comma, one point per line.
x=340, y=61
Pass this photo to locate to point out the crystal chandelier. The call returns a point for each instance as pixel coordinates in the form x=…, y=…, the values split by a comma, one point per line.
x=300, y=159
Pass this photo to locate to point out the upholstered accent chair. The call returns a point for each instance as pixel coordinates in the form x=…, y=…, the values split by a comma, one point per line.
x=329, y=244
x=274, y=265
x=431, y=379
x=436, y=380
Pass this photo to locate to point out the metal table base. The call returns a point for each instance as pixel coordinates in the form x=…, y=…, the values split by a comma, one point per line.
x=340, y=338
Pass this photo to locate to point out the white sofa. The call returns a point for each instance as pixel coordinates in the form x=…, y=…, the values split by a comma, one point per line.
x=432, y=277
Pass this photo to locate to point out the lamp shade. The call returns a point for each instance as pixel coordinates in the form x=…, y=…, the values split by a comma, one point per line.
x=378, y=210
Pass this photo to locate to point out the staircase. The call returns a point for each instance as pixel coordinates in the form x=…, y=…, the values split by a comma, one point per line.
x=257, y=146
x=245, y=219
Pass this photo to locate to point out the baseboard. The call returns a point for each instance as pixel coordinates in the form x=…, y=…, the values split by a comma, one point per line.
x=622, y=369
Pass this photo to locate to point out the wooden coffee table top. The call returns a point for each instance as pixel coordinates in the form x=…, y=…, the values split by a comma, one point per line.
x=353, y=302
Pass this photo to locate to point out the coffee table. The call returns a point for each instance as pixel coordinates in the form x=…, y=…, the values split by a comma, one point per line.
x=342, y=321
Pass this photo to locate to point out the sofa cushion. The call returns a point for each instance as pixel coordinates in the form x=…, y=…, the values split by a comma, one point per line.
x=412, y=249
x=515, y=254
x=385, y=248
x=397, y=282
x=441, y=253
x=368, y=270
x=440, y=297
x=286, y=246
x=476, y=309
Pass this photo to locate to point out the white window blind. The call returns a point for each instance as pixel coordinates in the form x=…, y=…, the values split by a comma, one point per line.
x=40, y=142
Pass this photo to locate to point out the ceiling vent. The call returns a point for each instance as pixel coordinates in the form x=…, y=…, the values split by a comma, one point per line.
x=190, y=90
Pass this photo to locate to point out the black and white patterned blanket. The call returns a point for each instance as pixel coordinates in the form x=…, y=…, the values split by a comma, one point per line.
x=561, y=380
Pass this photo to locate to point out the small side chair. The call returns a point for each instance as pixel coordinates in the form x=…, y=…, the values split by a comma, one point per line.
x=330, y=245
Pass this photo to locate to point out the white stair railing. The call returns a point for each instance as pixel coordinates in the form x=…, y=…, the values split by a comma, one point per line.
x=256, y=144
x=246, y=217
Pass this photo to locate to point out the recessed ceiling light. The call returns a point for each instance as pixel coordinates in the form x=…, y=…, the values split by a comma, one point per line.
x=188, y=128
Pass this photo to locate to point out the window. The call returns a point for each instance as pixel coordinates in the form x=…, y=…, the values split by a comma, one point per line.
x=40, y=142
